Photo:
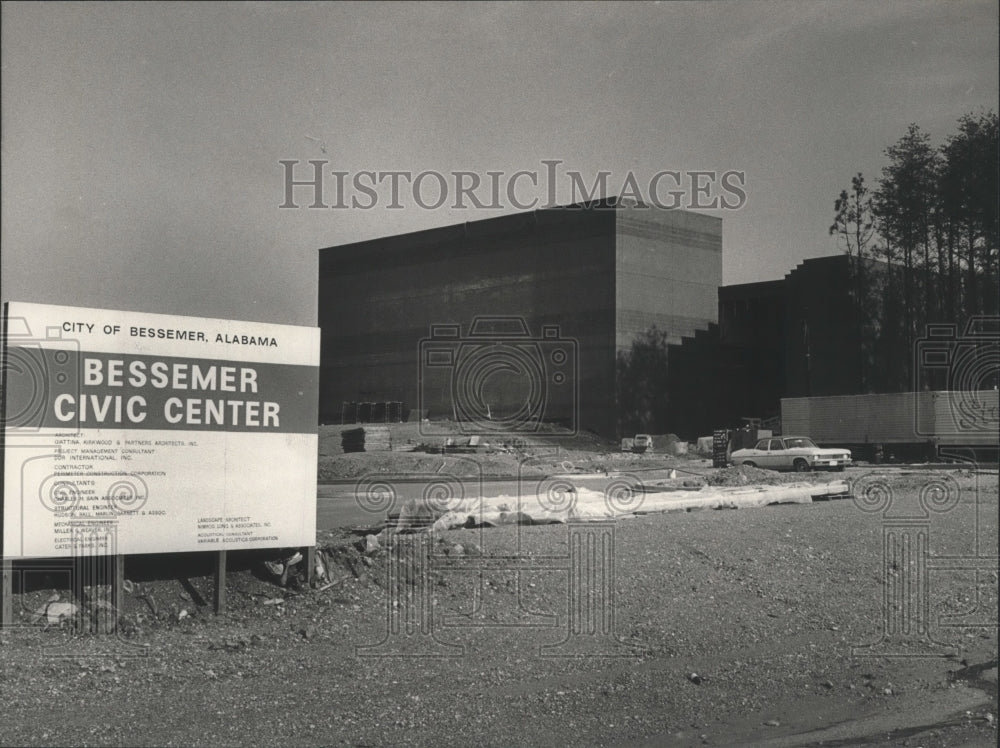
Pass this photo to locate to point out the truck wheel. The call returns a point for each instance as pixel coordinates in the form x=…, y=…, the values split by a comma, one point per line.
x=801, y=466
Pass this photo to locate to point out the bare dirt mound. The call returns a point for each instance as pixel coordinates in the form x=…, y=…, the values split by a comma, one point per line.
x=415, y=465
x=434, y=435
x=435, y=448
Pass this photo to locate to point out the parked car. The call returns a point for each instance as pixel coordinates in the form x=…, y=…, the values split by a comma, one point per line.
x=797, y=453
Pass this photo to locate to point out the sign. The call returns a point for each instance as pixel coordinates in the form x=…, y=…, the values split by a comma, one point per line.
x=720, y=448
x=171, y=433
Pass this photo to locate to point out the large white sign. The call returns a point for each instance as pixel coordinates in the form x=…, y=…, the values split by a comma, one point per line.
x=148, y=433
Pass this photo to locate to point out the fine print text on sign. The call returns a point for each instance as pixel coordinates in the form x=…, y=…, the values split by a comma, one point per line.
x=180, y=433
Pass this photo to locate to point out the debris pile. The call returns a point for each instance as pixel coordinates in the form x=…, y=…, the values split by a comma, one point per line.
x=367, y=439
x=284, y=570
x=55, y=612
x=743, y=475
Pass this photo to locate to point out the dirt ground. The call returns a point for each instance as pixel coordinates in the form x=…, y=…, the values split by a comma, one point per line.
x=496, y=457
x=740, y=627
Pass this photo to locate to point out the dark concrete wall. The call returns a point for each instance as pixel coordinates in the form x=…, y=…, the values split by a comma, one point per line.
x=601, y=274
x=700, y=387
x=752, y=318
x=822, y=348
x=668, y=269
x=378, y=300
x=793, y=337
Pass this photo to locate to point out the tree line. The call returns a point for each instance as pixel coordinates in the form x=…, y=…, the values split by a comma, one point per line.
x=923, y=243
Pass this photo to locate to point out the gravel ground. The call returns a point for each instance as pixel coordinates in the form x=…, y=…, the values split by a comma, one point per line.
x=730, y=628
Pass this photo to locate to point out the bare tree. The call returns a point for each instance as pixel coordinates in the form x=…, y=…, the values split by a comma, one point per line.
x=854, y=227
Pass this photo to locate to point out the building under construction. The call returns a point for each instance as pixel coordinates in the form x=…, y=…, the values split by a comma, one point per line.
x=531, y=318
x=515, y=319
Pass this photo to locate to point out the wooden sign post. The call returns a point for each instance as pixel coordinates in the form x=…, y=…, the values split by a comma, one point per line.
x=220, y=582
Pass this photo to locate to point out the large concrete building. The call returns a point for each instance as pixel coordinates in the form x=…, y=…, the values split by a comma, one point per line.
x=798, y=336
x=793, y=337
x=557, y=292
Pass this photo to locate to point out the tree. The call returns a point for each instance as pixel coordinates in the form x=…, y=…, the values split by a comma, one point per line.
x=854, y=220
x=854, y=227
x=968, y=187
x=907, y=196
x=923, y=244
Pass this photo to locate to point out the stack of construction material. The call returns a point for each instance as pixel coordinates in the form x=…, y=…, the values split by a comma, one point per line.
x=377, y=439
x=366, y=439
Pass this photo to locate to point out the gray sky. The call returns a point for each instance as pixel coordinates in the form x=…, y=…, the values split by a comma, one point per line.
x=141, y=143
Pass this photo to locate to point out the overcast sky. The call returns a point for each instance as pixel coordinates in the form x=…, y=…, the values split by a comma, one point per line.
x=141, y=143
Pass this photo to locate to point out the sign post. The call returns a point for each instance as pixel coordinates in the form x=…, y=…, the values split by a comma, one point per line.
x=220, y=582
